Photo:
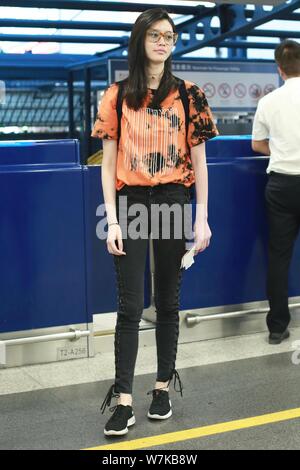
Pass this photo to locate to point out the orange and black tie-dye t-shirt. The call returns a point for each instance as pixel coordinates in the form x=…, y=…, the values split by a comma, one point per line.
x=153, y=147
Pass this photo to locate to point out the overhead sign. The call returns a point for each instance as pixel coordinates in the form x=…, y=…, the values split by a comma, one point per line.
x=230, y=86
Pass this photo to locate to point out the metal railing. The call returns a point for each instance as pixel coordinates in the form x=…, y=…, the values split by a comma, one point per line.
x=194, y=318
x=73, y=335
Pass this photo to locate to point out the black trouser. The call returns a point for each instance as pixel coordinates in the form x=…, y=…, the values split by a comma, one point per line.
x=130, y=269
x=283, y=205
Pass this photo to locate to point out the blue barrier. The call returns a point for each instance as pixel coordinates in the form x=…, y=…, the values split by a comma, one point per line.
x=42, y=235
x=233, y=269
x=229, y=147
x=54, y=269
x=101, y=275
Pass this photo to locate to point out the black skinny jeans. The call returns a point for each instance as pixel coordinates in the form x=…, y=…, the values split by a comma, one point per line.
x=283, y=205
x=130, y=269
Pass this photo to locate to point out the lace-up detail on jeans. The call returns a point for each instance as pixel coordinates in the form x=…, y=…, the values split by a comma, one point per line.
x=107, y=400
x=177, y=379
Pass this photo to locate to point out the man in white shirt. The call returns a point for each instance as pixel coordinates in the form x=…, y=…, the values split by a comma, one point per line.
x=276, y=132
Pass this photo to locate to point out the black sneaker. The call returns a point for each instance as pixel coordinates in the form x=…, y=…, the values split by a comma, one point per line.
x=119, y=422
x=161, y=407
x=276, y=338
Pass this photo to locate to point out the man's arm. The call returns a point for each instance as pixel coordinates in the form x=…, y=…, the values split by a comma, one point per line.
x=261, y=130
x=261, y=146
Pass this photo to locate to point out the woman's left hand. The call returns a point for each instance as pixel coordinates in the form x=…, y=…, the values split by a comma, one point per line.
x=202, y=235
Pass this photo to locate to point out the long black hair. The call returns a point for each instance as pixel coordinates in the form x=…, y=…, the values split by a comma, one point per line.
x=135, y=90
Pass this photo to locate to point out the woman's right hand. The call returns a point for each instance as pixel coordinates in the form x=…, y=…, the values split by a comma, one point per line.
x=115, y=235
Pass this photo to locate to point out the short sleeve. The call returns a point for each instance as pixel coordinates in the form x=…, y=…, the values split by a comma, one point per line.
x=106, y=124
x=260, y=130
x=201, y=125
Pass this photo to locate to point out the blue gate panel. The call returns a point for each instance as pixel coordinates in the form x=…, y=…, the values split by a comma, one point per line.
x=44, y=152
x=233, y=269
x=102, y=283
x=42, y=236
x=56, y=271
x=229, y=147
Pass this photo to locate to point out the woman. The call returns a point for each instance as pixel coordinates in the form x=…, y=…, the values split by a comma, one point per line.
x=150, y=160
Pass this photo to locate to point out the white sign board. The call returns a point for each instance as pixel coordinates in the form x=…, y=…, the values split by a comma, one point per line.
x=230, y=86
